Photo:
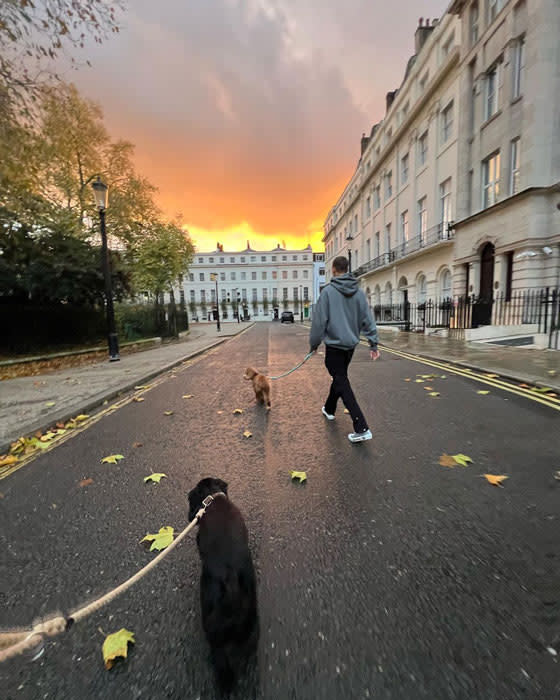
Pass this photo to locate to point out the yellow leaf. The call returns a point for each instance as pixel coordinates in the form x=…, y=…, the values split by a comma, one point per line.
x=419, y=381
x=462, y=460
x=238, y=410
x=112, y=459
x=428, y=388
x=168, y=413
x=493, y=376
x=7, y=460
x=346, y=410
x=50, y=404
x=247, y=434
x=161, y=540
x=138, y=399
x=434, y=393
x=187, y=396
x=443, y=376
x=495, y=479
x=142, y=386
x=47, y=436
x=483, y=393
x=82, y=417
x=552, y=372
x=116, y=646
x=156, y=477
x=300, y=476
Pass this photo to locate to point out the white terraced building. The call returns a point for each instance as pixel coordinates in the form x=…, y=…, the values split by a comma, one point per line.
x=262, y=283
x=457, y=190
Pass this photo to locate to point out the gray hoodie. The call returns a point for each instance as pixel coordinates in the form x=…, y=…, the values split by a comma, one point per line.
x=340, y=314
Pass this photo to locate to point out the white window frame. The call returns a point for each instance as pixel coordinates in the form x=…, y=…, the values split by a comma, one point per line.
x=515, y=166
x=447, y=122
x=388, y=185
x=474, y=19
x=377, y=249
x=492, y=94
x=423, y=149
x=405, y=168
x=446, y=290
x=491, y=180
x=422, y=218
x=445, y=201
x=518, y=68
x=404, y=232
x=388, y=238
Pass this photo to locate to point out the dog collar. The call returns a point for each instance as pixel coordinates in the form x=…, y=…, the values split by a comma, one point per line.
x=207, y=502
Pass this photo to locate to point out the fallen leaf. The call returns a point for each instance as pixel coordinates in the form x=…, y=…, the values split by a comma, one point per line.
x=60, y=425
x=137, y=444
x=85, y=482
x=247, y=434
x=161, y=540
x=495, y=479
x=112, y=459
x=168, y=413
x=426, y=376
x=138, y=399
x=541, y=389
x=443, y=376
x=428, y=388
x=407, y=379
x=7, y=460
x=187, y=396
x=346, y=410
x=419, y=381
x=238, y=410
x=156, y=477
x=434, y=394
x=50, y=404
x=300, y=476
x=552, y=372
x=523, y=386
x=115, y=646
x=483, y=393
x=142, y=386
x=81, y=418
x=462, y=460
x=219, y=412
x=492, y=376
x=557, y=476
x=36, y=443
x=47, y=436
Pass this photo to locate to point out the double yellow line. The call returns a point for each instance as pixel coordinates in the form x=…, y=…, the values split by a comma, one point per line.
x=482, y=377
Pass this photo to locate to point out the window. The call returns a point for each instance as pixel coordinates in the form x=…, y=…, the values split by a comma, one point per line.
x=447, y=123
x=263, y=275
x=518, y=68
x=474, y=24
x=321, y=272
x=284, y=258
x=295, y=294
x=265, y=293
x=275, y=294
x=294, y=257
x=233, y=276
x=368, y=207
x=201, y=276
x=404, y=227
x=446, y=48
x=191, y=277
x=445, y=284
x=423, y=149
x=355, y=223
x=377, y=197
x=492, y=89
x=445, y=201
x=242, y=258
x=306, y=274
x=422, y=218
x=285, y=293
x=203, y=296
x=377, y=244
x=210, y=260
x=422, y=292
x=223, y=295
x=232, y=260
x=244, y=294
x=222, y=276
x=306, y=293
x=284, y=274
x=424, y=81
x=494, y=7
x=509, y=274
x=294, y=274
x=515, y=166
x=201, y=260
x=273, y=258
x=368, y=249
x=274, y=274
x=389, y=185
x=253, y=258
x=222, y=261
x=253, y=275
x=404, y=169
x=263, y=258
x=388, y=238
x=243, y=275
x=192, y=296
x=254, y=294
x=490, y=180
x=213, y=296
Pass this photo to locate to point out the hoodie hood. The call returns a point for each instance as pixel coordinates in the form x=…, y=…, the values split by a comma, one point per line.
x=346, y=284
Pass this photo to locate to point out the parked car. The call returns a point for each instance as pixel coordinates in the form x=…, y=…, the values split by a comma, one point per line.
x=287, y=317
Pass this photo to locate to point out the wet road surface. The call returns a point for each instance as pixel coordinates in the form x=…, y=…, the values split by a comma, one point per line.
x=385, y=576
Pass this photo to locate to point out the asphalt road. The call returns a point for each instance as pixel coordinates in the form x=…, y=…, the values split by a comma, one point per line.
x=386, y=576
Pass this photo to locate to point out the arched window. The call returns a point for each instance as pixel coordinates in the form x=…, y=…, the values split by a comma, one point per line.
x=421, y=289
x=388, y=293
x=445, y=284
x=377, y=295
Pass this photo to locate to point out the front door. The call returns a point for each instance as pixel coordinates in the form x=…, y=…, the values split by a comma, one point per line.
x=482, y=308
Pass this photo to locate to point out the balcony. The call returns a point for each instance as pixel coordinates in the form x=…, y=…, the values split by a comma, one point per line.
x=437, y=234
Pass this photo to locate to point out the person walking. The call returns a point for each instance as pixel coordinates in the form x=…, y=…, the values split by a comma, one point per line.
x=340, y=314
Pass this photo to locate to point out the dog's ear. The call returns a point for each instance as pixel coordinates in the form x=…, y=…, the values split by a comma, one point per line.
x=222, y=485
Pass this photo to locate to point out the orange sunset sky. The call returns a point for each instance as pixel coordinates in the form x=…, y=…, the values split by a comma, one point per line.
x=247, y=114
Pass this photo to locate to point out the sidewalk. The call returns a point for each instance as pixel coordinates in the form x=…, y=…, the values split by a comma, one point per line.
x=523, y=364
x=75, y=390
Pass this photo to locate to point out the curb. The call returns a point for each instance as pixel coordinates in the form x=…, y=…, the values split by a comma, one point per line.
x=114, y=393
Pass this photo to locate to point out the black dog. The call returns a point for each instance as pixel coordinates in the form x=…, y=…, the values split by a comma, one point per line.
x=228, y=591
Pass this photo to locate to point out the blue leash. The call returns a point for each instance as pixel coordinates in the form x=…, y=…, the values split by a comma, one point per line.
x=293, y=368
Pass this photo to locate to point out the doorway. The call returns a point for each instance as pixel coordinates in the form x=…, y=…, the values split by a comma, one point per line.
x=482, y=308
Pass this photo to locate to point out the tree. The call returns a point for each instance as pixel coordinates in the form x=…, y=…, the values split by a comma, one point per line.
x=33, y=33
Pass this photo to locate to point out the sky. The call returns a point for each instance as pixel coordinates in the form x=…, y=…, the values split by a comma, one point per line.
x=247, y=114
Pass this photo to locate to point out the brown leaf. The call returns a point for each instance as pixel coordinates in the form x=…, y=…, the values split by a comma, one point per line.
x=7, y=460
x=428, y=388
x=138, y=399
x=85, y=482
x=137, y=444
x=495, y=479
x=447, y=461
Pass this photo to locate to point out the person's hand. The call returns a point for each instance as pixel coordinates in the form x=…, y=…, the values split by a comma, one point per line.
x=375, y=354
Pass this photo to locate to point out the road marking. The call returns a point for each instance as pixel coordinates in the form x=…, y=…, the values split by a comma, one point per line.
x=475, y=375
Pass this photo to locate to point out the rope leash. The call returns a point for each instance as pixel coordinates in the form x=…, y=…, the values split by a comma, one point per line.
x=293, y=368
x=15, y=642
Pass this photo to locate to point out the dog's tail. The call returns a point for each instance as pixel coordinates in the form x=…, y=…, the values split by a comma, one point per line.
x=225, y=673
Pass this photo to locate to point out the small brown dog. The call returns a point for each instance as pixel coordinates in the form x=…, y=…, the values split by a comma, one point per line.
x=261, y=386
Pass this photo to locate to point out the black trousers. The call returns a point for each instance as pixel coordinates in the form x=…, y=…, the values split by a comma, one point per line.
x=336, y=362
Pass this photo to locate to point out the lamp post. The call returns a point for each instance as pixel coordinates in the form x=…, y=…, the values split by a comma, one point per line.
x=301, y=303
x=214, y=276
x=100, y=191
x=349, y=237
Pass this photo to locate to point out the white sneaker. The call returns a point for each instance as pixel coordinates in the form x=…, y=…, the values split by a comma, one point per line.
x=360, y=437
x=328, y=416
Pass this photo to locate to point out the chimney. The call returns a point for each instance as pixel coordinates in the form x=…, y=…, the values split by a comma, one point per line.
x=423, y=31
x=389, y=99
x=364, y=143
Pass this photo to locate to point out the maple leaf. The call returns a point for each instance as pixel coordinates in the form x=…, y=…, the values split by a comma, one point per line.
x=495, y=479
x=168, y=413
x=300, y=476
x=7, y=460
x=187, y=396
x=156, y=477
x=462, y=460
x=161, y=540
x=247, y=434
x=116, y=646
x=85, y=482
x=50, y=404
x=434, y=394
x=483, y=393
x=112, y=459
x=237, y=410
x=138, y=399
x=36, y=443
x=447, y=461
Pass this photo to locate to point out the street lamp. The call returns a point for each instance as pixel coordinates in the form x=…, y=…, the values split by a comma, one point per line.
x=100, y=190
x=301, y=303
x=349, y=237
x=214, y=276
